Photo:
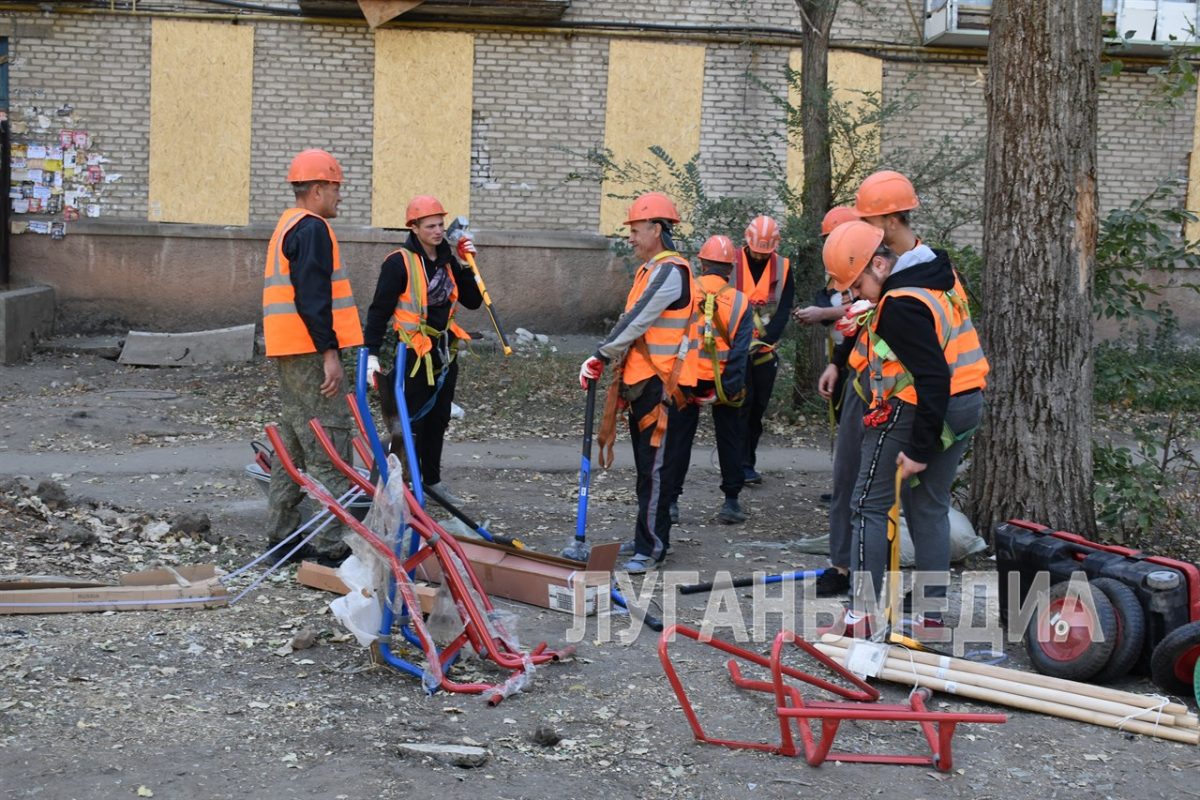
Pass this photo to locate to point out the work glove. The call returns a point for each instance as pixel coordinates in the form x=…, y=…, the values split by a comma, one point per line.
x=705, y=398
x=591, y=370
x=848, y=325
x=465, y=247
x=373, y=372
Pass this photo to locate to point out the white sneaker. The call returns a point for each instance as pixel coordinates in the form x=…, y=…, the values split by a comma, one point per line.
x=640, y=564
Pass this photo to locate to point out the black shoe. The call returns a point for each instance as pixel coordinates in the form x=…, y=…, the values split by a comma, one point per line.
x=305, y=553
x=831, y=583
x=331, y=561
x=751, y=476
x=673, y=512
x=827, y=497
x=731, y=513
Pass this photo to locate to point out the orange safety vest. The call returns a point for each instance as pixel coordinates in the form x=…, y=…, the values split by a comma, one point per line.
x=764, y=293
x=657, y=350
x=715, y=325
x=283, y=328
x=412, y=309
x=957, y=334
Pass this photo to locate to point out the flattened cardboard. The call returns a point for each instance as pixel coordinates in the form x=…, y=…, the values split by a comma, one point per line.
x=195, y=586
x=529, y=577
x=315, y=576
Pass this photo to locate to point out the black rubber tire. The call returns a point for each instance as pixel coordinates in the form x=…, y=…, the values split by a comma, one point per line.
x=1131, y=629
x=1172, y=664
x=1079, y=656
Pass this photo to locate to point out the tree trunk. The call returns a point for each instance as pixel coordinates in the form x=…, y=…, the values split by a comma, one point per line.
x=816, y=194
x=1033, y=456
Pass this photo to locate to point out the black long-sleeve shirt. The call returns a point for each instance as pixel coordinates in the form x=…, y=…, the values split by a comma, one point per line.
x=787, y=297
x=309, y=251
x=907, y=325
x=393, y=282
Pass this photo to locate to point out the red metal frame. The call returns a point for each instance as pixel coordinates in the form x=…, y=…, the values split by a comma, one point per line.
x=937, y=727
x=1190, y=571
x=438, y=543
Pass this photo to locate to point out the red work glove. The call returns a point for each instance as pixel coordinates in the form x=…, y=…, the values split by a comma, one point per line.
x=705, y=399
x=373, y=372
x=848, y=324
x=465, y=247
x=591, y=370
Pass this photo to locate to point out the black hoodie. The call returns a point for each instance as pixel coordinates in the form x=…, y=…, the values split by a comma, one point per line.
x=393, y=281
x=907, y=325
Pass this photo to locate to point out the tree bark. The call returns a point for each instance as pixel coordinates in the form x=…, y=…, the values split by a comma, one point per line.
x=1033, y=456
x=817, y=193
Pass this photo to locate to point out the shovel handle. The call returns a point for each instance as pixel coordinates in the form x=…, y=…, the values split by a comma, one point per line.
x=585, y=463
x=487, y=304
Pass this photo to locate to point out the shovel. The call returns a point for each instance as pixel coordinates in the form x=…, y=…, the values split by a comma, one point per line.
x=579, y=550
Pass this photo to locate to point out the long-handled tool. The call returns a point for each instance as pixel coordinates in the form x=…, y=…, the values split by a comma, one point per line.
x=578, y=550
x=737, y=583
x=455, y=232
x=456, y=512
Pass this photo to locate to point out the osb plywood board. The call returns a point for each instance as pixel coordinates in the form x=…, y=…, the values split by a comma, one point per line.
x=852, y=77
x=201, y=87
x=655, y=94
x=422, y=137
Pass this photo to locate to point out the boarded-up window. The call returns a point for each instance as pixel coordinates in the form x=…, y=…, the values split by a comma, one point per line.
x=655, y=93
x=423, y=85
x=201, y=86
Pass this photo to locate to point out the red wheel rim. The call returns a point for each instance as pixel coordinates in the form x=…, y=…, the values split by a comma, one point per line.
x=1185, y=665
x=1064, y=629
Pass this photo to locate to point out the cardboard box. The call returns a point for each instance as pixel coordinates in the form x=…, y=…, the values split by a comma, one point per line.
x=194, y=586
x=533, y=578
x=315, y=576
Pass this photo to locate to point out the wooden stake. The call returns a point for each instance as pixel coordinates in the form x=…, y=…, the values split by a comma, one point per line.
x=1035, y=679
x=1064, y=711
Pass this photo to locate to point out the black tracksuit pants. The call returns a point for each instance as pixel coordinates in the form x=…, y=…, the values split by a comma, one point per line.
x=429, y=432
x=760, y=382
x=729, y=425
x=658, y=470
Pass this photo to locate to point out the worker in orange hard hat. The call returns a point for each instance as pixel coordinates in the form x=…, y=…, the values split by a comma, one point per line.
x=723, y=332
x=651, y=342
x=837, y=387
x=765, y=277
x=309, y=316
x=927, y=372
x=420, y=287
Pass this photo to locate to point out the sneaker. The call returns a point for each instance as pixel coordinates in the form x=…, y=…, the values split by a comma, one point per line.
x=859, y=629
x=444, y=491
x=731, y=513
x=832, y=583
x=630, y=547
x=751, y=476
x=640, y=564
x=673, y=512
x=827, y=497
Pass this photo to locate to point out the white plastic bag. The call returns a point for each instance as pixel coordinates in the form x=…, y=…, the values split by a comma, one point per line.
x=360, y=611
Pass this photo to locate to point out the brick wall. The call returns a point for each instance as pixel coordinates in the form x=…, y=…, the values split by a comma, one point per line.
x=312, y=88
x=755, y=13
x=742, y=126
x=98, y=70
x=539, y=104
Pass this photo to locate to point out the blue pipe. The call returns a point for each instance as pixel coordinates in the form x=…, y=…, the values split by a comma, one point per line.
x=364, y=409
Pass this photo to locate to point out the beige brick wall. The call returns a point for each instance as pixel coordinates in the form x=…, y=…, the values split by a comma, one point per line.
x=539, y=104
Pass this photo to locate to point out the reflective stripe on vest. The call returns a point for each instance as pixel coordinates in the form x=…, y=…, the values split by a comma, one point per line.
x=412, y=310
x=283, y=328
x=714, y=332
x=763, y=294
x=669, y=335
x=958, y=338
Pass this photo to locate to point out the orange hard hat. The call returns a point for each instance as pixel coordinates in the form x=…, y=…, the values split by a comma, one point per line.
x=848, y=250
x=421, y=206
x=885, y=192
x=314, y=165
x=652, y=205
x=835, y=217
x=762, y=234
x=719, y=249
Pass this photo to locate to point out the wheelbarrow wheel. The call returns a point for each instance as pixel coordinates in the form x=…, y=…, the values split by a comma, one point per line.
x=1173, y=664
x=1131, y=629
x=1071, y=635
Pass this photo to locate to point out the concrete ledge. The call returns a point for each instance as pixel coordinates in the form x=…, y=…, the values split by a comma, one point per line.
x=346, y=233
x=26, y=315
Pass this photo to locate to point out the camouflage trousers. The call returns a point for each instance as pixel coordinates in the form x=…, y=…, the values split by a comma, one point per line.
x=300, y=379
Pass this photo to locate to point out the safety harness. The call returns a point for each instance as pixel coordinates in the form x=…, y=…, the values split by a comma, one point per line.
x=713, y=327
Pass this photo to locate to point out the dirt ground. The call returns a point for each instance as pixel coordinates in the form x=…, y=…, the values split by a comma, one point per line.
x=108, y=468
